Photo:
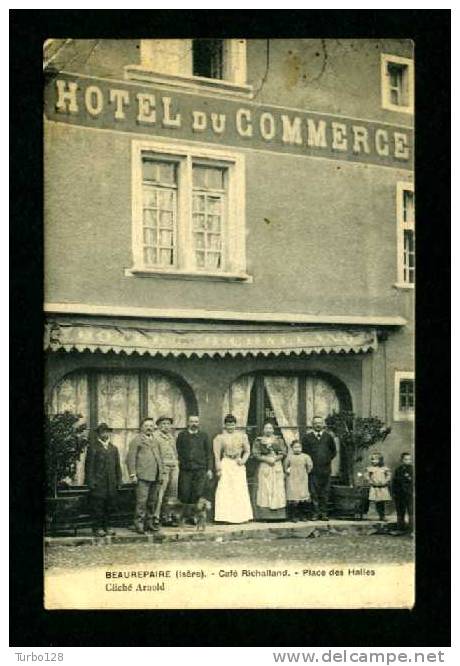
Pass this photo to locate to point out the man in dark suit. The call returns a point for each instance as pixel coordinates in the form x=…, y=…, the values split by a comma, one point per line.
x=146, y=470
x=321, y=448
x=196, y=460
x=103, y=477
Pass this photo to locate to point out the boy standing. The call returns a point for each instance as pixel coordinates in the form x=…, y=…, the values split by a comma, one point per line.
x=402, y=490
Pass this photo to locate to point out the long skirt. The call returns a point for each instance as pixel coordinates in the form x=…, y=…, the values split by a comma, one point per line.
x=270, y=496
x=232, y=504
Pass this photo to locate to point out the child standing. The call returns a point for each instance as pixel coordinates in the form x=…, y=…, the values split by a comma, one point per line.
x=379, y=478
x=298, y=465
x=403, y=489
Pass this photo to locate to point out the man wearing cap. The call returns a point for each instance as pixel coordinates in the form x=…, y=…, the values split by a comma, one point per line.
x=167, y=492
x=103, y=478
x=145, y=469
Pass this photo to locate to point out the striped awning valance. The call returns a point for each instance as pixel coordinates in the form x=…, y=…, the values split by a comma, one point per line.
x=199, y=340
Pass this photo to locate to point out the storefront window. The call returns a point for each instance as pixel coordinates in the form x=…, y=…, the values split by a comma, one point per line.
x=72, y=395
x=117, y=399
x=289, y=401
x=118, y=405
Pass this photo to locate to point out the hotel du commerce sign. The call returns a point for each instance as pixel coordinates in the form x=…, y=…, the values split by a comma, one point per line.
x=144, y=109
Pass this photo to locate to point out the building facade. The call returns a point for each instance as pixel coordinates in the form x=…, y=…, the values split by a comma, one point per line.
x=229, y=226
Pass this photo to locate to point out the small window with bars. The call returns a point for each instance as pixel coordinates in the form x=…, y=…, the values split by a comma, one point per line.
x=406, y=395
x=406, y=234
x=159, y=211
x=409, y=236
x=208, y=58
x=209, y=202
x=398, y=83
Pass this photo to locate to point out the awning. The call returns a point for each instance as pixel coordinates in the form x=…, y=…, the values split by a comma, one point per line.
x=196, y=339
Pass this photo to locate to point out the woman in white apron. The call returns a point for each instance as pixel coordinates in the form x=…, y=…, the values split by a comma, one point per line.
x=231, y=451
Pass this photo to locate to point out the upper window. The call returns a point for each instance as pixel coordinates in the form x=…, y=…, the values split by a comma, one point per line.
x=405, y=207
x=397, y=83
x=188, y=210
x=404, y=396
x=208, y=58
x=217, y=65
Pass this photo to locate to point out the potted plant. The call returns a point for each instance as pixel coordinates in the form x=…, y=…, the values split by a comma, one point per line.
x=356, y=435
x=65, y=441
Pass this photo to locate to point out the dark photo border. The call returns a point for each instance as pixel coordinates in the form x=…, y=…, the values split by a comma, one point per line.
x=428, y=623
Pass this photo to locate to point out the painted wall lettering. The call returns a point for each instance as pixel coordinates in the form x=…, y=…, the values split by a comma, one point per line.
x=93, y=102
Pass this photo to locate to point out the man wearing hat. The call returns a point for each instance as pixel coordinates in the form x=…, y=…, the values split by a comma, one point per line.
x=145, y=469
x=103, y=478
x=167, y=492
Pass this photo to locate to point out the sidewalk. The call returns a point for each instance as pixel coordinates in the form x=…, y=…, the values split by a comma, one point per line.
x=216, y=532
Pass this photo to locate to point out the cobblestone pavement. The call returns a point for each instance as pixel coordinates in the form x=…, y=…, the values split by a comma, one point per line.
x=352, y=549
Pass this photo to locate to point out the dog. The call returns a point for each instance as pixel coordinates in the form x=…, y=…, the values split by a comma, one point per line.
x=202, y=508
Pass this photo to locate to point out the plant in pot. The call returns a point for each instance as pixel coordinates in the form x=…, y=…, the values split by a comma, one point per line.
x=65, y=441
x=356, y=435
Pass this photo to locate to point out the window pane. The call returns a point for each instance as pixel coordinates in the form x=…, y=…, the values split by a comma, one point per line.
x=166, y=219
x=150, y=256
x=150, y=217
x=165, y=397
x=199, y=240
x=215, y=179
x=71, y=395
x=166, y=238
x=213, y=260
x=214, y=241
x=398, y=83
x=406, y=395
x=167, y=172
x=166, y=199
x=118, y=405
x=150, y=237
x=208, y=177
x=208, y=58
x=215, y=205
x=199, y=176
x=149, y=197
x=199, y=202
x=213, y=223
x=408, y=206
x=199, y=221
x=158, y=172
x=159, y=225
x=394, y=96
x=166, y=257
x=409, y=256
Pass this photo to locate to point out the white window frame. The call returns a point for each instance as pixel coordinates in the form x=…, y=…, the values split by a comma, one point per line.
x=387, y=59
x=399, y=415
x=170, y=62
x=234, y=235
x=401, y=187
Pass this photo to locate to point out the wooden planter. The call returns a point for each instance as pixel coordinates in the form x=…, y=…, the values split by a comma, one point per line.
x=349, y=501
x=70, y=510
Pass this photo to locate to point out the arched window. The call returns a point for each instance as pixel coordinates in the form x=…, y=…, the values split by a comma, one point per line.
x=120, y=399
x=289, y=400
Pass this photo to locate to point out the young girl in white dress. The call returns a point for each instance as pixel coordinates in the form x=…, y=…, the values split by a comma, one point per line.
x=378, y=476
x=297, y=467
